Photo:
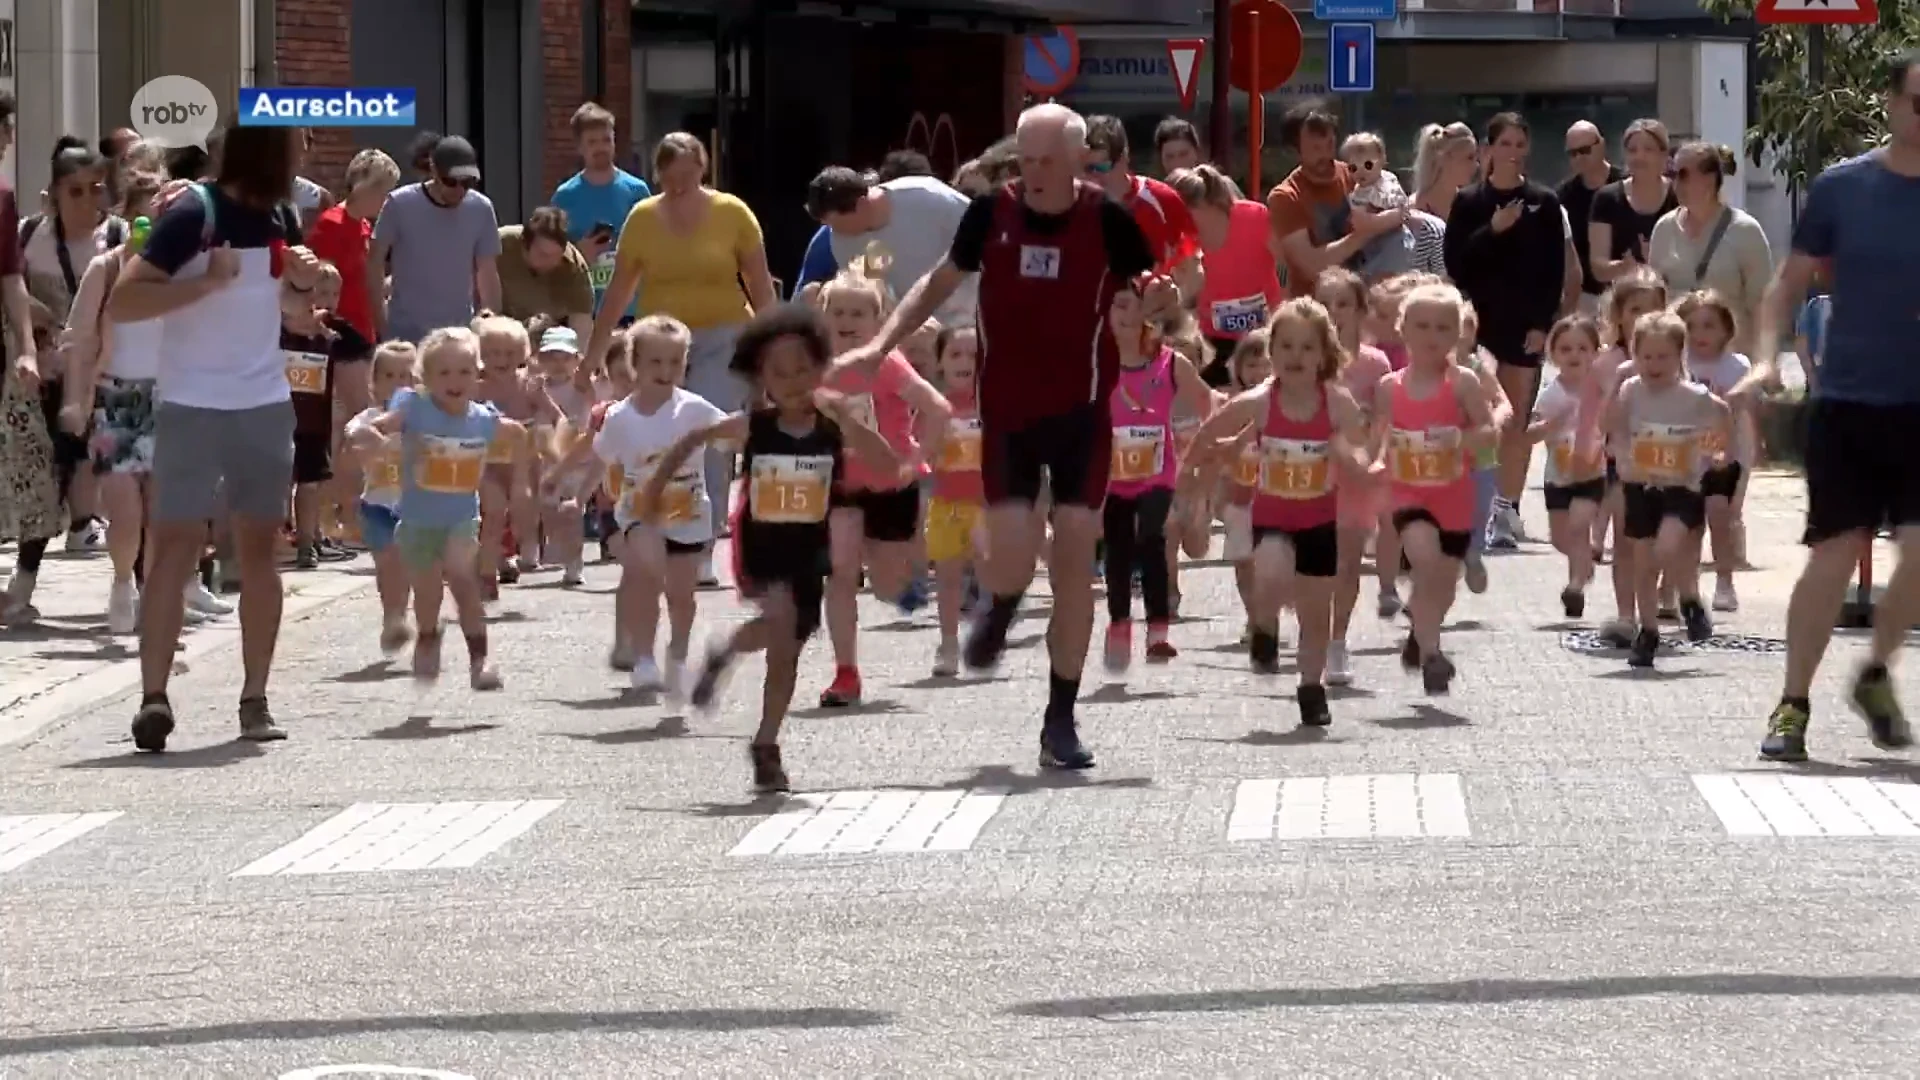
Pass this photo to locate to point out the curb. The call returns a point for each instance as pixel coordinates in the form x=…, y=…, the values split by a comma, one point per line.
x=40, y=709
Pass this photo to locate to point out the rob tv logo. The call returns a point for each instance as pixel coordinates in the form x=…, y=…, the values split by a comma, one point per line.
x=171, y=112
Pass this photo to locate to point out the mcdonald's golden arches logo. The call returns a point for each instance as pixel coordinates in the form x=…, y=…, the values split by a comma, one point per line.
x=924, y=138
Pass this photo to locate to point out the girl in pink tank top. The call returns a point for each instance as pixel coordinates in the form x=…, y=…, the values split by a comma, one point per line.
x=1241, y=288
x=1364, y=508
x=1307, y=428
x=875, y=521
x=1431, y=417
x=1250, y=366
x=1140, y=480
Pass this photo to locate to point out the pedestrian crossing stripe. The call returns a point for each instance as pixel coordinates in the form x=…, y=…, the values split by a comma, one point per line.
x=1391, y=806
x=26, y=837
x=858, y=822
x=1775, y=805
x=369, y=837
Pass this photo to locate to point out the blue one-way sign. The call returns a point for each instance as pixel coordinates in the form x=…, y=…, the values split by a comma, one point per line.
x=1350, y=58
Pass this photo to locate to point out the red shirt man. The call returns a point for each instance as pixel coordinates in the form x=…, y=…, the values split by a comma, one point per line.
x=1164, y=217
x=342, y=239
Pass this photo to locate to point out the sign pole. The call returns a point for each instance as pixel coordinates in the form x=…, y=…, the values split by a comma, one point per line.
x=1256, y=114
x=1220, y=120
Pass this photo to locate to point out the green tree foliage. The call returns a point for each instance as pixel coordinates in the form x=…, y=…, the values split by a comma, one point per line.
x=1843, y=115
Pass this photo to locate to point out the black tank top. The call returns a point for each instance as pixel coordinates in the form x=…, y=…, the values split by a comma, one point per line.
x=790, y=479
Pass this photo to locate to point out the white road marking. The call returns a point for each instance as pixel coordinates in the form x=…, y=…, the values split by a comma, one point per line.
x=1790, y=805
x=852, y=822
x=367, y=837
x=319, y=1071
x=26, y=837
x=1391, y=806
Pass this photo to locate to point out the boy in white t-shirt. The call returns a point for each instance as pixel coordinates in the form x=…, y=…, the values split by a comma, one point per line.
x=662, y=561
x=395, y=367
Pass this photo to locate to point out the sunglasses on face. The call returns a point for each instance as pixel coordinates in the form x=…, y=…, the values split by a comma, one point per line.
x=1100, y=168
x=1582, y=151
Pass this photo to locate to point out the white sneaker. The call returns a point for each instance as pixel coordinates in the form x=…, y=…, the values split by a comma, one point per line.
x=708, y=579
x=17, y=605
x=673, y=679
x=199, y=599
x=946, y=660
x=90, y=538
x=574, y=573
x=1724, y=598
x=646, y=675
x=1503, y=531
x=1339, y=667
x=123, y=608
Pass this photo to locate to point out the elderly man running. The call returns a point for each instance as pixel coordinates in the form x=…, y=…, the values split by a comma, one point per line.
x=1051, y=252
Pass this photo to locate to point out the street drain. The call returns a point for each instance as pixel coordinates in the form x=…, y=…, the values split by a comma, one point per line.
x=1588, y=641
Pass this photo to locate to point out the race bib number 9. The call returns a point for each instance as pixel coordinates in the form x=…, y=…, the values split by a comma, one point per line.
x=306, y=372
x=1239, y=316
x=789, y=489
x=1293, y=469
x=1139, y=453
x=449, y=466
x=1428, y=458
x=1663, y=453
x=961, y=453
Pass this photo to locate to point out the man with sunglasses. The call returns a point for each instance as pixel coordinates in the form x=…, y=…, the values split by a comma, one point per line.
x=1587, y=153
x=1161, y=214
x=440, y=241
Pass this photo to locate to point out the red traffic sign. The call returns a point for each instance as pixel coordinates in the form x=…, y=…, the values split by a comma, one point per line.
x=1817, y=12
x=1051, y=61
x=1267, y=43
x=1184, y=54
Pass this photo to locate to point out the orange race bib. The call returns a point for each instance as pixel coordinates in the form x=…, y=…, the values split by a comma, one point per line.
x=961, y=452
x=1246, y=466
x=1430, y=458
x=384, y=477
x=1139, y=453
x=677, y=502
x=1664, y=453
x=306, y=372
x=1713, y=444
x=501, y=450
x=1294, y=468
x=449, y=466
x=616, y=481
x=1561, y=455
x=790, y=489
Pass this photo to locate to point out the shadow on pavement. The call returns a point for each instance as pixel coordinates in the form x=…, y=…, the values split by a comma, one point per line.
x=1297, y=736
x=212, y=756
x=1658, y=674
x=421, y=727
x=869, y=707
x=673, y=727
x=623, y=698
x=1118, y=693
x=378, y=671
x=1474, y=992
x=544, y=1023
x=1421, y=717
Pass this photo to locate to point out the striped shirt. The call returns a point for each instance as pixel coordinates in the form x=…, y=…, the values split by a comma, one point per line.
x=1429, y=240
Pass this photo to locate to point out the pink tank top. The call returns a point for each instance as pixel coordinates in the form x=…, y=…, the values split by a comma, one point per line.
x=1396, y=355
x=1241, y=288
x=1295, y=490
x=877, y=400
x=1426, y=455
x=1142, y=410
x=956, y=476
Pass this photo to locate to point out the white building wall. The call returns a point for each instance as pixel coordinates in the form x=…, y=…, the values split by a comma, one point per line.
x=57, y=81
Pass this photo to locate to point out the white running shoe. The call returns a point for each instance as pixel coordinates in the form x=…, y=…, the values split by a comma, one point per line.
x=90, y=538
x=199, y=599
x=1339, y=667
x=708, y=579
x=574, y=572
x=946, y=660
x=646, y=675
x=1724, y=598
x=123, y=608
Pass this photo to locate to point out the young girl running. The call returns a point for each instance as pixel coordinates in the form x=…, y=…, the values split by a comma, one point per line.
x=876, y=514
x=1141, y=478
x=1661, y=419
x=959, y=496
x=569, y=384
x=507, y=500
x=1566, y=417
x=794, y=451
x=1189, y=521
x=444, y=436
x=1431, y=417
x=1364, y=510
x=1382, y=327
x=1486, y=460
x=1308, y=429
x=1712, y=363
x=394, y=364
x=1250, y=366
x=1639, y=293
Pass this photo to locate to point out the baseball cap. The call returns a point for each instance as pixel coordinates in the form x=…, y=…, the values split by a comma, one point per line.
x=560, y=339
x=837, y=190
x=454, y=159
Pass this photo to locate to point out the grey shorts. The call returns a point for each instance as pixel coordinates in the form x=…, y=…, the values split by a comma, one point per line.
x=210, y=461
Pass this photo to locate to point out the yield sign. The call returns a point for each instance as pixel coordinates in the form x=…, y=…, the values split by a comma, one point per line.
x=1185, y=53
x=1817, y=12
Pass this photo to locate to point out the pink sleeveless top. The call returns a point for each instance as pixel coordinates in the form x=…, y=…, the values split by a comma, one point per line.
x=1242, y=286
x=1141, y=407
x=876, y=399
x=1295, y=490
x=1426, y=456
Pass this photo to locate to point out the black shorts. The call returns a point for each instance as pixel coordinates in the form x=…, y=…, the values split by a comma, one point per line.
x=1515, y=357
x=1073, y=449
x=1219, y=372
x=312, y=458
x=1646, y=507
x=1561, y=496
x=886, y=517
x=69, y=451
x=1453, y=543
x=1863, y=467
x=1723, y=482
x=809, y=593
x=1316, y=551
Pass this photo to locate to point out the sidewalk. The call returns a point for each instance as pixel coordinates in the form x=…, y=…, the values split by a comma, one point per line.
x=67, y=660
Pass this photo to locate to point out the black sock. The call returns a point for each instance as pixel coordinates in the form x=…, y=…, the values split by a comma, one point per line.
x=1874, y=673
x=1005, y=607
x=80, y=523
x=1803, y=704
x=1062, y=693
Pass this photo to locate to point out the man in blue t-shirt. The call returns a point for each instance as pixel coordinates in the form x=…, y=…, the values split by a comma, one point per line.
x=1862, y=225
x=599, y=197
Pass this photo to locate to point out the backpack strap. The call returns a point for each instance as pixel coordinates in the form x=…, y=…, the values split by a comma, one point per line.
x=205, y=194
x=28, y=227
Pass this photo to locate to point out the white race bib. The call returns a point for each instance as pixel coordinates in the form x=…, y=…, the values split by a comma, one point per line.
x=601, y=272
x=1039, y=262
x=1239, y=316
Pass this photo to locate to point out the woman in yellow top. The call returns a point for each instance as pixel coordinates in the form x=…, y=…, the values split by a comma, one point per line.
x=701, y=255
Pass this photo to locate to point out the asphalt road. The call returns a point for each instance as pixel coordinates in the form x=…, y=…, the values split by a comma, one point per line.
x=1561, y=870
